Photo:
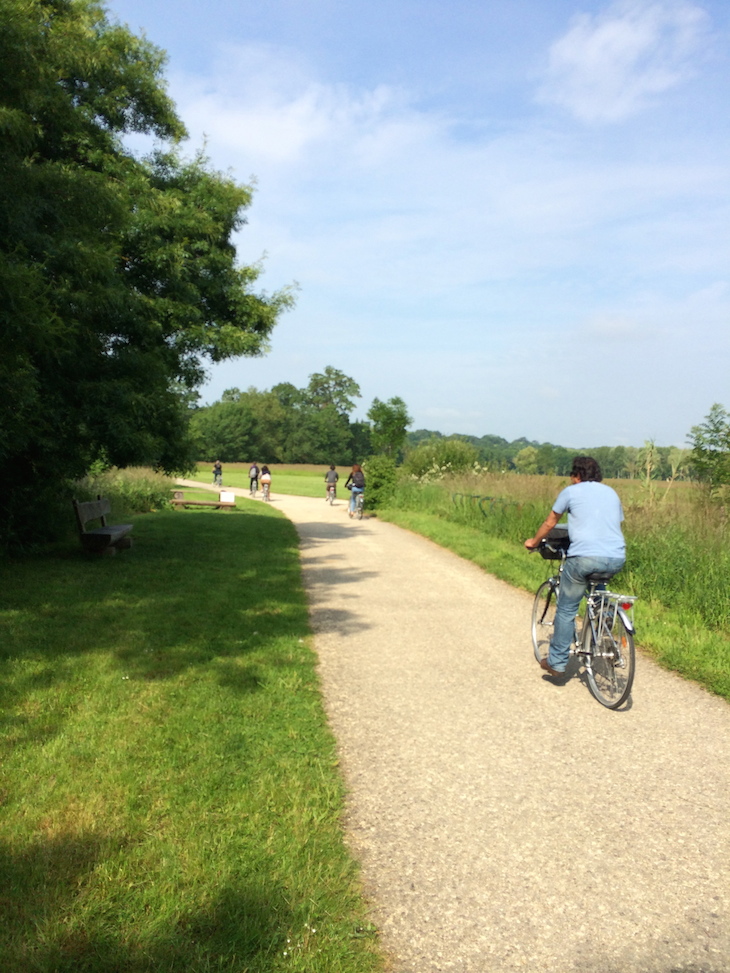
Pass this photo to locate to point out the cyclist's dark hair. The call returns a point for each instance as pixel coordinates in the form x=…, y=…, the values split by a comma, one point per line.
x=586, y=468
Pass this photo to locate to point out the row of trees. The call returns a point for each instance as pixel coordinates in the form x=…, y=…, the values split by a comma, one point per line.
x=118, y=275
x=707, y=460
x=313, y=425
x=525, y=456
x=290, y=425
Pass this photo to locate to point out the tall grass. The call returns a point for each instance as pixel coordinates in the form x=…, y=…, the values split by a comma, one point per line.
x=677, y=548
x=678, y=552
x=132, y=490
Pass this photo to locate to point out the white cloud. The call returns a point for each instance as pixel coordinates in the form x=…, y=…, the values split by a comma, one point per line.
x=449, y=270
x=612, y=65
x=264, y=102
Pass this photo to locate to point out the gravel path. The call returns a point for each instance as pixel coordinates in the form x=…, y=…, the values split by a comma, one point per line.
x=504, y=822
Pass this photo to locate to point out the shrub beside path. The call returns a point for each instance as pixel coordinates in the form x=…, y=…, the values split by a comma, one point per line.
x=504, y=822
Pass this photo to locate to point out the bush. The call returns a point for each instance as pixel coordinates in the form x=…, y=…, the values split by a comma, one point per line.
x=436, y=458
x=136, y=490
x=381, y=478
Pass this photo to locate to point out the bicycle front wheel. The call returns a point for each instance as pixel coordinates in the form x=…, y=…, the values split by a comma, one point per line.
x=610, y=665
x=543, y=618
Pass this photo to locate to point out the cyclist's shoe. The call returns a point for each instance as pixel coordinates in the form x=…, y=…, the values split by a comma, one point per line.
x=544, y=664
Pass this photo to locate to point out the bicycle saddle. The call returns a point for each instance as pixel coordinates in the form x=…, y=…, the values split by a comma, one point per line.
x=599, y=577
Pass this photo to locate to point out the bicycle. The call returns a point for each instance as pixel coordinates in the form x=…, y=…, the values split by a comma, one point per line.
x=266, y=491
x=359, y=505
x=605, y=644
x=331, y=493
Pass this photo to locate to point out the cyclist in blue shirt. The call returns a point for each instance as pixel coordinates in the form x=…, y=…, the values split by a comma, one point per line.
x=596, y=544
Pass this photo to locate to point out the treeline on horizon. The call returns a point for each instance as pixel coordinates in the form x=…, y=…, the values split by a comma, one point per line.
x=312, y=425
x=522, y=455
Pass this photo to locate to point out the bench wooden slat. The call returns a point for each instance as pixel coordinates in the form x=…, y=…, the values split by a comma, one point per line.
x=104, y=539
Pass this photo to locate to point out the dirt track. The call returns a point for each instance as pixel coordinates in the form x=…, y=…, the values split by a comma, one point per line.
x=503, y=822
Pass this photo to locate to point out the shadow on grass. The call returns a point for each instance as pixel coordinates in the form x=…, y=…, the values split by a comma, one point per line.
x=40, y=888
x=161, y=682
x=205, y=590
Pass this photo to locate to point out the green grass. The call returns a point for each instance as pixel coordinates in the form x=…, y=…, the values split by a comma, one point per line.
x=171, y=801
x=677, y=631
x=301, y=481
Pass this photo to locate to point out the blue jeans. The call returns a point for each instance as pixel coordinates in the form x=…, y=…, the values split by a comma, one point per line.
x=353, y=494
x=573, y=586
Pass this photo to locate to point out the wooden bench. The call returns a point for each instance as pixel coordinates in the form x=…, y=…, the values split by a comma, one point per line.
x=105, y=539
x=180, y=500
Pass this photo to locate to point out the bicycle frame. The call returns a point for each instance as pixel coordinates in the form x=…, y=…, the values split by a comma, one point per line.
x=601, y=608
x=605, y=642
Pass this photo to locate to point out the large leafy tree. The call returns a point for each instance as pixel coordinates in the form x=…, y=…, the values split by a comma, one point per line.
x=332, y=389
x=286, y=424
x=118, y=277
x=317, y=429
x=242, y=427
x=390, y=420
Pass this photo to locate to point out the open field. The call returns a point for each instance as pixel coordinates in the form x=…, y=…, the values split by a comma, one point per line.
x=301, y=480
x=170, y=790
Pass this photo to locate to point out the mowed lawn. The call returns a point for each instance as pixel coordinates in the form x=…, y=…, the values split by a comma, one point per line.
x=170, y=792
x=292, y=479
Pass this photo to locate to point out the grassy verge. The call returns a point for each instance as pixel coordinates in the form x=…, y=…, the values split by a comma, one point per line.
x=677, y=639
x=170, y=793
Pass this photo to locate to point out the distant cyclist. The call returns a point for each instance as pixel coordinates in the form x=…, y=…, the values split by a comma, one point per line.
x=217, y=473
x=596, y=544
x=266, y=482
x=356, y=484
x=330, y=478
x=253, y=478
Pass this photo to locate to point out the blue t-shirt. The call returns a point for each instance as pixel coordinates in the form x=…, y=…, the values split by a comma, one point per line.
x=594, y=519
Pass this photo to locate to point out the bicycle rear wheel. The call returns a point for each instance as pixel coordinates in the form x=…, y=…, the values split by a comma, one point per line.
x=360, y=503
x=610, y=665
x=543, y=618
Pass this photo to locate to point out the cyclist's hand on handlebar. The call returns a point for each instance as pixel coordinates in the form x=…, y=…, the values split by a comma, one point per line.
x=531, y=545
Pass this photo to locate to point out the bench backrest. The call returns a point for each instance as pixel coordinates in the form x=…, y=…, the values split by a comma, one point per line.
x=92, y=510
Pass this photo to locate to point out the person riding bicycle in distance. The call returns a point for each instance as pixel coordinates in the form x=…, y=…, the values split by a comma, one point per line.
x=356, y=483
x=330, y=478
x=596, y=544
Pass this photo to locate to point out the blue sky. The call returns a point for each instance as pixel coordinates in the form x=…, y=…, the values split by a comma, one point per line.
x=513, y=214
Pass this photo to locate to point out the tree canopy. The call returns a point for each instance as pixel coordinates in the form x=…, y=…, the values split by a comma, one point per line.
x=118, y=274
x=390, y=421
x=285, y=424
